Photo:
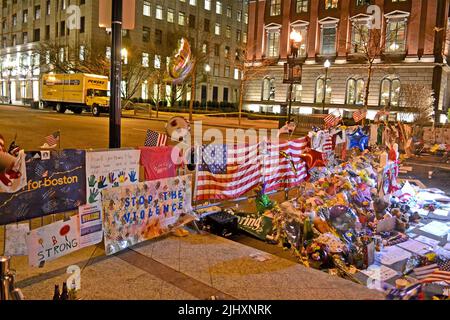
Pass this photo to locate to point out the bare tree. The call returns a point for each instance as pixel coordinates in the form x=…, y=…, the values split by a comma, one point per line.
x=249, y=70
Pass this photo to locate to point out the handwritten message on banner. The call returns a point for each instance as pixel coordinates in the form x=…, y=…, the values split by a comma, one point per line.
x=107, y=169
x=53, y=241
x=146, y=210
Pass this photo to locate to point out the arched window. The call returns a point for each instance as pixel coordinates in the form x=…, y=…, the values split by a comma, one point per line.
x=390, y=92
x=355, y=91
x=268, y=89
x=322, y=90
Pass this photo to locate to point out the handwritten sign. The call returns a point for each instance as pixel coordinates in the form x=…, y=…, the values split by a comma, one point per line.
x=107, y=169
x=52, y=241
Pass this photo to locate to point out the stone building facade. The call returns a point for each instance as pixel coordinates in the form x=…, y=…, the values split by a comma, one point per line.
x=217, y=27
x=413, y=49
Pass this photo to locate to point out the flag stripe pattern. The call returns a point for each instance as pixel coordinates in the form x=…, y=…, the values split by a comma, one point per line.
x=52, y=139
x=155, y=139
x=329, y=120
x=358, y=115
x=328, y=142
x=437, y=272
x=230, y=171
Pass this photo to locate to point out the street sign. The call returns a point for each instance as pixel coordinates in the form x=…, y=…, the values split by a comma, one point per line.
x=292, y=73
x=128, y=14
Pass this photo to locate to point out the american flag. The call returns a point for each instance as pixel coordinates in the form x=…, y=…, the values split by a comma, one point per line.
x=358, y=115
x=436, y=272
x=329, y=120
x=328, y=142
x=229, y=171
x=53, y=139
x=155, y=139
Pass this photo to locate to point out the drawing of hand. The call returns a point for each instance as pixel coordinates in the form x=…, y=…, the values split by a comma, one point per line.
x=122, y=177
x=91, y=181
x=111, y=177
x=102, y=182
x=132, y=176
x=93, y=195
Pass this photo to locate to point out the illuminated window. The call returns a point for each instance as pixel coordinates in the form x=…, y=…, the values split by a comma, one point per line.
x=390, y=91
x=268, y=89
x=396, y=36
x=275, y=7
x=146, y=10
x=331, y=4
x=328, y=39
x=322, y=92
x=273, y=43
x=301, y=6
x=355, y=91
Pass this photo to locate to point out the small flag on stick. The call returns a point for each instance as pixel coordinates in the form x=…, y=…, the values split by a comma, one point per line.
x=329, y=120
x=155, y=139
x=52, y=140
x=358, y=115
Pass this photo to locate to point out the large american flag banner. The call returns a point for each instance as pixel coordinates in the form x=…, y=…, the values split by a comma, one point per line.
x=230, y=171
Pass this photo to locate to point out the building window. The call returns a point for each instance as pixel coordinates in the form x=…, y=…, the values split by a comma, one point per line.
x=331, y=4
x=144, y=90
x=208, y=5
x=390, y=91
x=246, y=18
x=37, y=35
x=47, y=32
x=14, y=40
x=62, y=30
x=297, y=92
x=145, y=34
x=216, y=71
x=205, y=47
x=303, y=30
x=229, y=12
x=273, y=43
x=146, y=10
x=238, y=35
x=328, y=37
x=237, y=74
x=225, y=94
x=193, y=2
x=61, y=54
x=322, y=91
x=363, y=2
x=227, y=52
x=227, y=72
x=396, y=36
x=82, y=24
x=14, y=19
x=158, y=36
x=170, y=15
x=215, y=93
x=228, y=32
x=355, y=91
x=206, y=25
x=275, y=7
x=25, y=37
x=216, y=49
x=181, y=18
x=217, y=29
x=239, y=16
x=25, y=16
x=191, y=21
x=37, y=12
x=48, y=6
x=81, y=53
x=301, y=6
x=159, y=12
x=218, y=7
x=360, y=36
x=268, y=89
x=145, y=59
x=157, y=61
x=244, y=37
x=63, y=4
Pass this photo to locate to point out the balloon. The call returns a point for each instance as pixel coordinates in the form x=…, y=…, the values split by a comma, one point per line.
x=313, y=159
x=358, y=139
x=342, y=218
x=178, y=128
x=181, y=64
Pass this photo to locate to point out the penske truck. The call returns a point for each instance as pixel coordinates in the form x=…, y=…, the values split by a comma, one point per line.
x=75, y=92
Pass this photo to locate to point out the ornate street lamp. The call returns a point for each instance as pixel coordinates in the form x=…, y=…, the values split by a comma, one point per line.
x=326, y=65
x=293, y=69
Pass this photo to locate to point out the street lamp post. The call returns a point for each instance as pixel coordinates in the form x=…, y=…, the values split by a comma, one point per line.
x=9, y=68
x=296, y=38
x=327, y=65
x=207, y=71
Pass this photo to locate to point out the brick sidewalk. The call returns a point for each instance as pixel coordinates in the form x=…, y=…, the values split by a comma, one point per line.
x=192, y=267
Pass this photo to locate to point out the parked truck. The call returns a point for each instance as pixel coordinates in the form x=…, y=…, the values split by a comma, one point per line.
x=75, y=92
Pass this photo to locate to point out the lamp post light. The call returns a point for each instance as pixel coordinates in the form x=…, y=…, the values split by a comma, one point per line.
x=296, y=39
x=326, y=65
x=207, y=71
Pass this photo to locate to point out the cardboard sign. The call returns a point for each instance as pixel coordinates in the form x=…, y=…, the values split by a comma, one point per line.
x=53, y=241
x=91, y=227
x=15, y=239
x=107, y=169
x=147, y=210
